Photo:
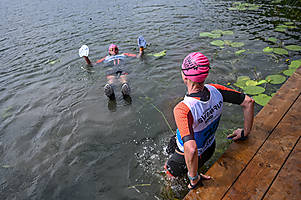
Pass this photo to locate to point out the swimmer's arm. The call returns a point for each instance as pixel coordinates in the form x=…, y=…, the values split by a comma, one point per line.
x=141, y=52
x=90, y=63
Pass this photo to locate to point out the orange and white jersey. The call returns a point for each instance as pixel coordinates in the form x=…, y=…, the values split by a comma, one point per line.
x=201, y=118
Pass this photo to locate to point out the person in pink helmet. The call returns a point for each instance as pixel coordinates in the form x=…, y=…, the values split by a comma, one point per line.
x=115, y=62
x=197, y=118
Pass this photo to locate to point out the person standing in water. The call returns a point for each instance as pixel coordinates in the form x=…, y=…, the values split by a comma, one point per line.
x=197, y=118
x=115, y=61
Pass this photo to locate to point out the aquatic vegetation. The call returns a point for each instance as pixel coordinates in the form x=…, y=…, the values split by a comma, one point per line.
x=159, y=54
x=253, y=90
x=292, y=67
x=219, y=43
x=293, y=47
x=240, y=51
x=216, y=33
x=272, y=39
x=277, y=50
x=275, y=79
x=244, y=6
x=237, y=44
x=284, y=27
x=262, y=99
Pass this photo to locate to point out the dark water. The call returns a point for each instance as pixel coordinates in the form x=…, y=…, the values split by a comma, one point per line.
x=59, y=137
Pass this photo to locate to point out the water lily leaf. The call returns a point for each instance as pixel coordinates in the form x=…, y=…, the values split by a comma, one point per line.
x=253, y=90
x=275, y=79
x=268, y=49
x=160, y=54
x=205, y=34
x=227, y=42
x=237, y=44
x=241, y=81
x=288, y=23
x=289, y=72
x=227, y=32
x=262, y=99
x=272, y=39
x=53, y=62
x=215, y=35
x=293, y=47
x=291, y=27
x=280, y=51
x=217, y=43
x=240, y=51
x=282, y=26
x=295, y=64
x=280, y=29
x=251, y=83
x=261, y=82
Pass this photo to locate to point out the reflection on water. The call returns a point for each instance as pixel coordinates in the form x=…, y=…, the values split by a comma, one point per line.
x=60, y=137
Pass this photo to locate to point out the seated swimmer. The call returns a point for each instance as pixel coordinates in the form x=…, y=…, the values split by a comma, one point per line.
x=116, y=63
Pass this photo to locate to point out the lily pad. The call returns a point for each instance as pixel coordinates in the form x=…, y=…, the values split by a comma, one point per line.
x=280, y=29
x=227, y=42
x=251, y=83
x=289, y=72
x=275, y=79
x=205, y=34
x=268, y=49
x=253, y=90
x=295, y=64
x=227, y=32
x=288, y=23
x=240, y=51
x=272, y=39
x=241, y=81
x=293, y=47
x=160, y=54
x=237, y=44
x=262, y=99
x=218, y=43
x=280, y=51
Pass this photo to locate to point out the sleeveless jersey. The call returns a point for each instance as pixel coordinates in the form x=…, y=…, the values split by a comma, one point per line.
x=206, y=116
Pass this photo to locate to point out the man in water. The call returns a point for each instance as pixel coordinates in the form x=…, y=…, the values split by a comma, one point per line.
x=116, y=63
x=197, y=118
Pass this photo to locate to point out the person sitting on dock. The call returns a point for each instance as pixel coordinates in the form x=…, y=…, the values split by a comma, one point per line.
x=197, y=118
x=116, y=63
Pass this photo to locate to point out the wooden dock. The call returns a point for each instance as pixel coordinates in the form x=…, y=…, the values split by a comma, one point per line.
x=268, y=164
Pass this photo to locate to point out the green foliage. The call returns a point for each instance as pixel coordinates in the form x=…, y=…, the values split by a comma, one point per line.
x=253, y=90
x=293, y=47
x=262, y=99
x=219, y=43
x=275, y=79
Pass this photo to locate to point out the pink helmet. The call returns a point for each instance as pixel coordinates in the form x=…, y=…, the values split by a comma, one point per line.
x=113, y=46
x=196, y=67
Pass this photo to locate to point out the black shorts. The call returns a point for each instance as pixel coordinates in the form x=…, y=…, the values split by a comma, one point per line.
x=176, y=164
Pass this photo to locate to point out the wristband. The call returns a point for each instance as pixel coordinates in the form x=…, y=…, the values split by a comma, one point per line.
x=243, y=137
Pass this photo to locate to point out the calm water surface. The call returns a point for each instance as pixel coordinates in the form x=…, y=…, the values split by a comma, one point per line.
x=60, y=138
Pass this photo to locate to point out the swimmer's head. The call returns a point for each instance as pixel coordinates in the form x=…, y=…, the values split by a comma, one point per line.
x=196, y=67
x=113, y=49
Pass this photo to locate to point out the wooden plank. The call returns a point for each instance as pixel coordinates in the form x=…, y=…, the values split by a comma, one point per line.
x=235, y=158
x=260, y=172
x=287, y=185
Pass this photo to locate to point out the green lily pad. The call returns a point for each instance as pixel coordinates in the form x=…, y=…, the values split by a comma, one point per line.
x=295, y=64
x=240, y=51
x=205, y=34
x=293, y=47
x=227, y=32
x=262, y=99
x=241, y=81
x=280, y=51
x=272, y=39
x=261, y=82
x=268, y=49
x=280, y=29
x=251, y=83
x=160, y=54
x=289, y=72
x=218, y=43
x=227, y=42
x=253, y=90
x=288, y=23
x=237, y=44
x=275, y=79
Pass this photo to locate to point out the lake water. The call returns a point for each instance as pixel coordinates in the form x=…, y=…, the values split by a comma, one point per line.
x=60, y=137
